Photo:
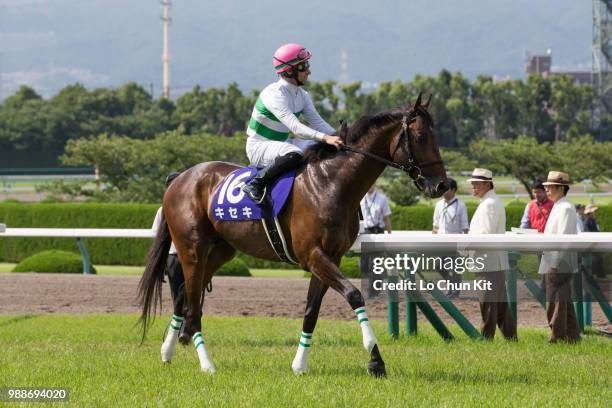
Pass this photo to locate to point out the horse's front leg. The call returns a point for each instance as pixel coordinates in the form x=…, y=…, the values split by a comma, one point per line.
x=316, y=291
x=325, y=269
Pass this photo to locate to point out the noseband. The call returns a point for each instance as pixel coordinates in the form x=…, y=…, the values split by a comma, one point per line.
x=413, y=167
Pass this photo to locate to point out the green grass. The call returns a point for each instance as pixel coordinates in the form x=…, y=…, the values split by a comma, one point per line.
x=6, y=267
x=99, y=359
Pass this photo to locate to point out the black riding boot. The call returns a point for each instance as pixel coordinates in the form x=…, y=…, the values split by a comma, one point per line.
x=259, y=185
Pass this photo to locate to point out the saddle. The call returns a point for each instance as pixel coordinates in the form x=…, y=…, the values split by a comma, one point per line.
x=232, y=204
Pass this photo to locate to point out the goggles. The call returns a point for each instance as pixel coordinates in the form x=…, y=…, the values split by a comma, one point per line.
x=303, y=66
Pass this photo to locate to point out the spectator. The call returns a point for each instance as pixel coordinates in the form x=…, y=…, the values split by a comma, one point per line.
x=450, y=217
x=490, y=218
x=376, y=212
x=590, y=223
x=537, y=210
x=376, y=218
x=558, y=266
x=580, y=215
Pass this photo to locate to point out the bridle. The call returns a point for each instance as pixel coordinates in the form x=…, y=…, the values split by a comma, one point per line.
x=413, y=167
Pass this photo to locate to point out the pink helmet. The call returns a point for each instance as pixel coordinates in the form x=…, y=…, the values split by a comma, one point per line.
x=289, y=55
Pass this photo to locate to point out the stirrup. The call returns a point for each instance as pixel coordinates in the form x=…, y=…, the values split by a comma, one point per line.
x=250, y=194
x=263, y=196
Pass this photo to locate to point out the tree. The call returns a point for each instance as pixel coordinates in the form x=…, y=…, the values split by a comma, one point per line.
x=524, y=158
x=134, y=170
x=455, y=161
x=400, y=188
x=583, y=158
x=527, y=160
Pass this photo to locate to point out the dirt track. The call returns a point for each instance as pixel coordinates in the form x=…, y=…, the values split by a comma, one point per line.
x=32, y=293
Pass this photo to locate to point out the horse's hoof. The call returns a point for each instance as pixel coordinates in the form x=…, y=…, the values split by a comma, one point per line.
x=209, y=370
x=184, y=339
x=377, y=370
x=299, y=371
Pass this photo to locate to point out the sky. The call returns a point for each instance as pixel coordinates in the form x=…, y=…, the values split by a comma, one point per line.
x=49, y=44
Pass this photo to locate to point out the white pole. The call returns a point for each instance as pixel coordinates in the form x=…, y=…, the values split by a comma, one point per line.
x=166, y=54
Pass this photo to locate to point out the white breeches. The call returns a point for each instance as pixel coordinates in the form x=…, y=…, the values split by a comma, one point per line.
x=262, y=152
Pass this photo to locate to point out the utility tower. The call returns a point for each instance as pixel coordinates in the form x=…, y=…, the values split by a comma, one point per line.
x=602, y=66
x=344, y=66
x=166, y=55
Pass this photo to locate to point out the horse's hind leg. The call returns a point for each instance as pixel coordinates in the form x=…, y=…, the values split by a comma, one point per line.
x=316, y=291
x=174, y=271
x=325, y=269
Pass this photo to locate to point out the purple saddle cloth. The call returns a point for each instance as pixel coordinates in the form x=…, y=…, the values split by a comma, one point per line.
x=232, y=204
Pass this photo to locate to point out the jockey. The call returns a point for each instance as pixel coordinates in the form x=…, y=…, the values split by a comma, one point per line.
x=275, y=114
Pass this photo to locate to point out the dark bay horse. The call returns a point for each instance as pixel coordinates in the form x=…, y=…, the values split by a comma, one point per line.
x=319, y=221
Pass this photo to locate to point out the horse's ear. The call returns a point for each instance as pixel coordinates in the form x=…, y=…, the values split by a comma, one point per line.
x=343, y=126
x=343, y=129
x=426, y=104
x=418, y=101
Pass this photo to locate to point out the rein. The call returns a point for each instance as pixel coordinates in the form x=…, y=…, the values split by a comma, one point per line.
x=413, y=168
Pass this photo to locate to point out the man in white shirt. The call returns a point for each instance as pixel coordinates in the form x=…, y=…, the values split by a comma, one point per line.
x=376, y=211
x=560, y=265
x=490, y=218
x=450, y=217
x=376, y=219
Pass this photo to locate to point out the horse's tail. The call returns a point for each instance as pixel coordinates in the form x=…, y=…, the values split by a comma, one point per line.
x=150, y=286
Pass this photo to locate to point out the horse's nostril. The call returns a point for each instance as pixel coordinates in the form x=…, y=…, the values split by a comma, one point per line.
x=442, y=186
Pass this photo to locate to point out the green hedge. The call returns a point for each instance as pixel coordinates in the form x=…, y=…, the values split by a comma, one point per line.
x=349, y=266
x=53, y=261
x=235, y=267
x=130, y=251
x=420, y=217
x=103, y=251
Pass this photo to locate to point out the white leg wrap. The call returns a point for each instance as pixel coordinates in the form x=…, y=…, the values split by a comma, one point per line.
x=369, y=339
x=168, y=347
x=300, y=362
x=206, y=363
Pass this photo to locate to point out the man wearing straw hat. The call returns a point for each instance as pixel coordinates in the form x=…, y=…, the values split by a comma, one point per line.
x=558, y=265
x=490, y=218
x=590, y=224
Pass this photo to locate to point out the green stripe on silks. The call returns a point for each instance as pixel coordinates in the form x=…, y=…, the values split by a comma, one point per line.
x=304, y=345
x=195, y=336
x=261, y=108
x=198, y=344
x=177, y=328
x=360, y=310
x=178, y=318
x=266, y=132
x=306, y=335
x=365, y=319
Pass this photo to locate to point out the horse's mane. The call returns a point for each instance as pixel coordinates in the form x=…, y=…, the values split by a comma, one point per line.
x=350, y=135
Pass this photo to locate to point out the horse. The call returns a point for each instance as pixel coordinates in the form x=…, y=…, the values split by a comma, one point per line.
x=319, y=221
